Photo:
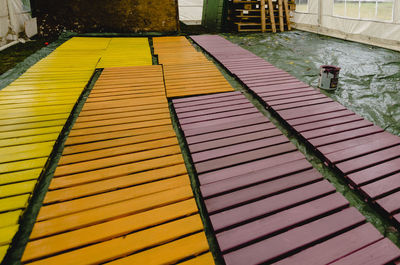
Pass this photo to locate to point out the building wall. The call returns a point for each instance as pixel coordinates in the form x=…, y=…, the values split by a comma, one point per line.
x=320, y=19
x=121, y=16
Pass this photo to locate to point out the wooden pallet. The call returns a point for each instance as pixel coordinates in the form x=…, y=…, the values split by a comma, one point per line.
x=264, y=199
x=120, y=193
x=248, y=16
x=366, y=155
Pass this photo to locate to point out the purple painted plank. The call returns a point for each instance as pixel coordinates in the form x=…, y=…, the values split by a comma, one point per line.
x=252, y=193
x=230, y=140
x=336, y=129
x=319, y=102
x=243, y=157
x=239, y=148
x=292, y=98
x=293, y=239
x=269, y=205
x=263, y=227
x=339, y=137
x=273, y=90
x=310, y=110
x=362, y=149
x=231, y=132
x=326, y=123
x=246, y=168
x=336, y=247
x=236, y=182
x=291, y=93
x=214, y=107
x=321, y=117
x=390, y=203
x=231, y=122
x=383, y=186
x=368, y=160
x=207, y=100
x=382, y=252
x=215, y=116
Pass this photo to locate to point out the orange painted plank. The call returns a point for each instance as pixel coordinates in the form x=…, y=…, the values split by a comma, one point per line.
x=108, y=230
x=126, y=245
x=109, y=211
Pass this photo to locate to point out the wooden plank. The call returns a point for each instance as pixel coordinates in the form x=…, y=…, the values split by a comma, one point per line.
x=287, y=13
x=263, y=18
x=381, y=252
x=295, y=238
x=281, y=24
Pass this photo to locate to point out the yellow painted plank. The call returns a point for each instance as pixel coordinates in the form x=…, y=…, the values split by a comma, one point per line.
x=43, y=118
x=9, y=218
x=168, y=253
x=30, y=132
x=29, y=139
x=22, y=165
x=20, y=176
x=125, y=245
x=108, y=230
x=7, y=234
x=3, y=252
x=17, y=188
x=14, y=203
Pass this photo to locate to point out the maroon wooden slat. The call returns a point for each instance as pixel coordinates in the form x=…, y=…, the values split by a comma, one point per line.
x=231, y=132
x=318, y=102
x=262, y=175
x=243, y=157
x=236, y=139
x=327, y=123
x=383, y=252
x=268, y=225
x=366, y=160
x=390, y=203
x=335, y=248
x=226, y=124
x=382, y=186
x=240, y=148
x=295, y=238
x=271, y=204
x=219, y=115
x=191, y=111
x=310, y=111
x=284, y=100
x=241, y=169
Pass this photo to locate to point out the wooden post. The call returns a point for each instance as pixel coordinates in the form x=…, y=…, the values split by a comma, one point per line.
x=271, y=15
x=281, y=23
x=285, y=3
x=262, y=9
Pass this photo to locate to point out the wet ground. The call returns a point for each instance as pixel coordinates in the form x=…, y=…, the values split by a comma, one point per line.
x=369, y=78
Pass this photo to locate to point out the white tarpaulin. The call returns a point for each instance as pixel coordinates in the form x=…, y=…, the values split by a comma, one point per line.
x=375, y=22
x=13, y=15
x=190, y=10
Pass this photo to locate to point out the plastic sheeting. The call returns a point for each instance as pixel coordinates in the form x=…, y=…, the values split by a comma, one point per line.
x=369, y=80
x=190, y=10
x=320, y=18
x=13, y=14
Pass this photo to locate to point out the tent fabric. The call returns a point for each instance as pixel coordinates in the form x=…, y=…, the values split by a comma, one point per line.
x=13, y=14
x=320, y=18
x=190, y=10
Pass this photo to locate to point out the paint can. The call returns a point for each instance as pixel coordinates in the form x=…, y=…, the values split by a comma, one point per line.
x=328, y=77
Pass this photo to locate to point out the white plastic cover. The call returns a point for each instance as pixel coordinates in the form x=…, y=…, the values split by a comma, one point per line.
x=13, y=15
x=190, y=10
x=320, y=18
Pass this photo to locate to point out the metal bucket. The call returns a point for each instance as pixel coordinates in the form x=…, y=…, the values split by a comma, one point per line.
x=329, y=77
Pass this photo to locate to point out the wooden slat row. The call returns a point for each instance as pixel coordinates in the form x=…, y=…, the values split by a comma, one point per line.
x=121, y=193
x=266, y=202
x=186, y=70
x=366, y=154
x=33, y=111
x=123, y=52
